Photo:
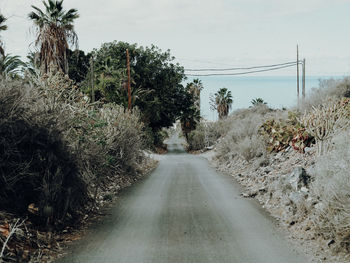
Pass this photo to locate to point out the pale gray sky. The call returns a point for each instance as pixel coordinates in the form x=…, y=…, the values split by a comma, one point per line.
x=208, y=33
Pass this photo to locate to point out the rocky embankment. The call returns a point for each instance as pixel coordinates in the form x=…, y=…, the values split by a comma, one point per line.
x=282, y=184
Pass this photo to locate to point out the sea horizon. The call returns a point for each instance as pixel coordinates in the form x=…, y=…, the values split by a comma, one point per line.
x=278, y=91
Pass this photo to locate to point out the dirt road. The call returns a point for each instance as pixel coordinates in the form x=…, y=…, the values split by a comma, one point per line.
x=185, y=212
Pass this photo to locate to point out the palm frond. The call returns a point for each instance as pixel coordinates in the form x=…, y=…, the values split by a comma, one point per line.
x=10, y=65
x=2, y=21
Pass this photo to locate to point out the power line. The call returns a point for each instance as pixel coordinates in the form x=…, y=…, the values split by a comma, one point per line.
x=245, y=68
x=240, y=73
x=197, y=61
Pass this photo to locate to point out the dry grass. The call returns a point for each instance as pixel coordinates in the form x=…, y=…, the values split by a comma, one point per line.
x=243, y=140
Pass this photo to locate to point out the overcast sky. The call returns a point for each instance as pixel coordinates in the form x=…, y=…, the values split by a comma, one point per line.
x=203, y=33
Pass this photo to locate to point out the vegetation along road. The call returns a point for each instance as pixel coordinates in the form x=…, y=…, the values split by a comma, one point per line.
x=185, y=212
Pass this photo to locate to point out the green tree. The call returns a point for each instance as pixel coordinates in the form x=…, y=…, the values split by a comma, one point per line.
x=78, y=65
x=55, y=31
x=10, y=66
x=258, y=101
x=153, y=72
x=108, y=79
x=3, y=27
x=222, y=102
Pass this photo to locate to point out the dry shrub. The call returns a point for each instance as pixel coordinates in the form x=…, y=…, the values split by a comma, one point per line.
x=206, y=134
x=36, y=165
x=107, y=138
x=243, y=139
x=332, y=187
x=56, y=148
x=330, y=88
x=124, y=137
x=196, y=139
x=251, y=147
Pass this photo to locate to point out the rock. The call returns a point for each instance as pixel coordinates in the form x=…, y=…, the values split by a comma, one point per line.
x=267, y=170
x=330, y=242
x=299, y=178
x=288, y=149
x=249, y=195
x=304, y=190
x=279, y=157
x=297, y=198
x=285, y=201
x=309, y=150
x=310, y=203
x=262, y=190
x=319, y=206
x=264, y=162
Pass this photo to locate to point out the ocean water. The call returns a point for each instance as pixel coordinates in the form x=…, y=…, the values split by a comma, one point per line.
x=277, y=91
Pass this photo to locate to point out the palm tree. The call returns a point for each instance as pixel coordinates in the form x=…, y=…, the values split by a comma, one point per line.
x=258, y=102
x=3, y=27
x=222, y=102
x=195, y=89
x=54, y=31
x=33, y=63
x=10, y=66
x=189, y=120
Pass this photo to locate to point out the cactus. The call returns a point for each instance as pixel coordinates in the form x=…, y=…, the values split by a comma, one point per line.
x=283, y=133
x=325, y=121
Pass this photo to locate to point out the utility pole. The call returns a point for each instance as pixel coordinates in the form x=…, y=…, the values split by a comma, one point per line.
x=129, y=81
x=304, y=80
x=298, y=73
x=92, y=79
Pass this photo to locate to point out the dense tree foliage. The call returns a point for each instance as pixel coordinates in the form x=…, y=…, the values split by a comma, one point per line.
x=156, y=81
x=78, y=65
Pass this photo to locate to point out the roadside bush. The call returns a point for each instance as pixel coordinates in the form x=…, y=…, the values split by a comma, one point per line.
x=107, y=138
x=57, y=149
x=124, y=138
x=331, y=187
x=330, y=88
x=153, y=139
x=243, y=140
x=251, y=147
x=36, y=165
x=196, y=139
x=207, y=133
